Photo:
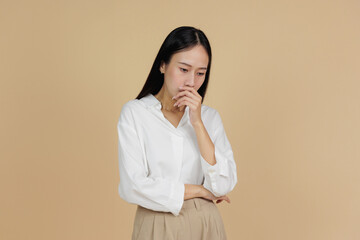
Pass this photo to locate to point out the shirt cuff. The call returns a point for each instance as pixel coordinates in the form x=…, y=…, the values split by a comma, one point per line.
x=176, y=198
x=221, y=166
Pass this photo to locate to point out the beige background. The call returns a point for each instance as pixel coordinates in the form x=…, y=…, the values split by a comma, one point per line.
x=285, y=79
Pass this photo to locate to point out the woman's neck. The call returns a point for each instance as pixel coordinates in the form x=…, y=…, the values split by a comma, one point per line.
x=167, y=103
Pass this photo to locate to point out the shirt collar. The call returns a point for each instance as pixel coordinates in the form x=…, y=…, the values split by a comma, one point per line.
x=150, y=101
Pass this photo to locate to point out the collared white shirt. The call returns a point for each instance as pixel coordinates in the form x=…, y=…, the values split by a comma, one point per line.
x=156, y=159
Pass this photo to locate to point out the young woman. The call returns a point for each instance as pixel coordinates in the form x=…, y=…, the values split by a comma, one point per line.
x=174, y=155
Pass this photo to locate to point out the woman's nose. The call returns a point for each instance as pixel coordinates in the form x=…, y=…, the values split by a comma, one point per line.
x=190, y=81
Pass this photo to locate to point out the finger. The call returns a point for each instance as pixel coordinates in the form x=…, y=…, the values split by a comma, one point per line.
x=191, y=89
x=186, y=98
x=188, y=103
x=225, y=197
x=193, y=94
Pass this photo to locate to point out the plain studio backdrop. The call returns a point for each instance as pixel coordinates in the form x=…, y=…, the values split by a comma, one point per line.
x=285, y=79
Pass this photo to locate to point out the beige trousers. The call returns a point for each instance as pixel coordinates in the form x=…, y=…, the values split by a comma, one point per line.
x=199, y=219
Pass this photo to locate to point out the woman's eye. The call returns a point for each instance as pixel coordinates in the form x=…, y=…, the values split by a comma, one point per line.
x=201, y=74
x=183, y=69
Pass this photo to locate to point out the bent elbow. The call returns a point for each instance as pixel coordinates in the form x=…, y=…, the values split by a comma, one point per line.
x=126, y=192
x=225, y=190
x=221, y=192
x=122, y=191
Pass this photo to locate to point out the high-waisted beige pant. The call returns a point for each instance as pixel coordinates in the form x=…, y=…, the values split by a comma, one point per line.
x=199, y=219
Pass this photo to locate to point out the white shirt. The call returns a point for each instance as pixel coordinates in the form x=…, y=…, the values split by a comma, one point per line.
x=156, y=159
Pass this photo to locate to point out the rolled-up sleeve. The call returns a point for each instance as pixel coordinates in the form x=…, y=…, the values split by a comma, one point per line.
x=220, y=178
x=135, y=186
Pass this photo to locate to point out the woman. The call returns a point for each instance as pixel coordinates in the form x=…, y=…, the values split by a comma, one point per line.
x=174, y=155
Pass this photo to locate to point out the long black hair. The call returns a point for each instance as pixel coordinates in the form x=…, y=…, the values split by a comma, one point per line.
x=179, y=39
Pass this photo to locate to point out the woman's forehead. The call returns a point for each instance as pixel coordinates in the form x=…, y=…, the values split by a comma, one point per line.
x=196, y=57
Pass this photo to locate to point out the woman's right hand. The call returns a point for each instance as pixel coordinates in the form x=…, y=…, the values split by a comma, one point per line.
x=208, y=195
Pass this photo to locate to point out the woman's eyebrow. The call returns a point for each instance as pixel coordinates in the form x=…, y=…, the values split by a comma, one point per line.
x=191, y=66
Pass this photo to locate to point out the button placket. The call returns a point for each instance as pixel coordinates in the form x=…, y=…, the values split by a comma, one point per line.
x=177, y=145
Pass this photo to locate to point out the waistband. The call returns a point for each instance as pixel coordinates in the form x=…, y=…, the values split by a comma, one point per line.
x=195, y=203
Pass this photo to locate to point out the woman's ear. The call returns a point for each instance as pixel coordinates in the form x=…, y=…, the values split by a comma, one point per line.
x=162, y=67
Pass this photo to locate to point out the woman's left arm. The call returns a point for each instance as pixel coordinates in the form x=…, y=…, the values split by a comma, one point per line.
x=217, y=158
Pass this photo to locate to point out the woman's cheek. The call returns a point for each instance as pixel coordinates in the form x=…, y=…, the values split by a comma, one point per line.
x=199, y=84
x=178, y=81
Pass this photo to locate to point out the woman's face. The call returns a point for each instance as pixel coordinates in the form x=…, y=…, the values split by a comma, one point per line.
x=186, y=68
